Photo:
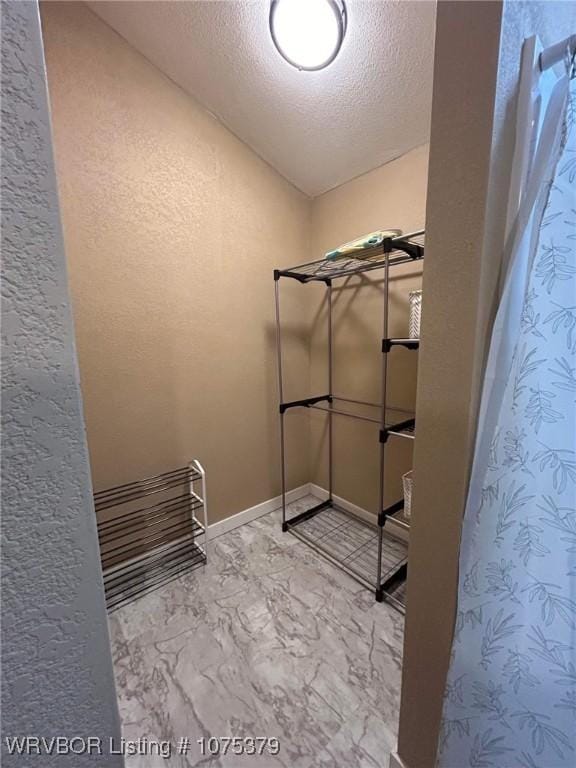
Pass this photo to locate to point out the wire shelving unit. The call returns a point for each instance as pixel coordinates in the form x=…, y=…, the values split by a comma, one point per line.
x=150, y=533
x=367, y=550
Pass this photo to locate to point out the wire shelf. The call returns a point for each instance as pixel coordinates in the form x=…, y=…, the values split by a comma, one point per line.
x=143, y=545
x=388, y=344
x=127, y=583
x=405, y=429
x=398, y=250
x=140, y=488
x=396, y=514
x=351, y=543
x=408, y=432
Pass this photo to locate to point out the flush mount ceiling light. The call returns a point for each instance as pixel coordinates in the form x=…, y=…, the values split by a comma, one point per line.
x=308, y=33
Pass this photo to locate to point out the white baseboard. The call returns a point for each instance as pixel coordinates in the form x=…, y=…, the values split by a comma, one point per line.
x=363, y=514
x=322, y=493
x=247, y=515
x=395, y=761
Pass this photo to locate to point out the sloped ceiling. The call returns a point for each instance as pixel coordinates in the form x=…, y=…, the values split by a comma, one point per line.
x=318, y=129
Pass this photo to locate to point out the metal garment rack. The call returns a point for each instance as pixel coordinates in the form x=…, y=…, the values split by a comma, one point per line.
x=369, y=553
x=143, y=547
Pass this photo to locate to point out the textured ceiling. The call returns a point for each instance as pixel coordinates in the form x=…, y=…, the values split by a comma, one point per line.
x=318, y=129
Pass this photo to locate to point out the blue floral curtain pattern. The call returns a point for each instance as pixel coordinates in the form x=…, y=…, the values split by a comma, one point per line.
x=510, y=698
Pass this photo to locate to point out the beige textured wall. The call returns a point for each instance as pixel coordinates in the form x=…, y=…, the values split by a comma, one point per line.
x=393, y=196
x=172, y=229
x=477, y=56
x=459, y=285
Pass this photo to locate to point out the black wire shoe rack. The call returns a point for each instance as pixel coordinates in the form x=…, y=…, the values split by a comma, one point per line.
x=150, y=532
x=367, y=550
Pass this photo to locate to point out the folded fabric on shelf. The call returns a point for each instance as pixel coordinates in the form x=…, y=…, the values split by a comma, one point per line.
x=362, y=247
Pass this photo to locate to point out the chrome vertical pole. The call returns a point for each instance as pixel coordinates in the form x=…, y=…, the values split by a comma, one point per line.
x=379, y=594
x=281, y=397
x=330, y=392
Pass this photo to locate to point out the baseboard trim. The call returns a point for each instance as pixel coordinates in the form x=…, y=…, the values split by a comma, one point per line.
x=253, y=513
x=354, y=509
x=396, y=762
x=322, y=493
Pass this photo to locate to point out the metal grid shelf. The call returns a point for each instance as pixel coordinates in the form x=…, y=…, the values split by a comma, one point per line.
x=143, y=545
x=406, y=429
x=142, y=575
x=387, y=344
x=352, y=544
x=138, y=489
x=395, y=513
x=396, y=250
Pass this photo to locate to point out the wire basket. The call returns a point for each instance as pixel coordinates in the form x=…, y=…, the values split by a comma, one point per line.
x=407, y=486
x=415, y=298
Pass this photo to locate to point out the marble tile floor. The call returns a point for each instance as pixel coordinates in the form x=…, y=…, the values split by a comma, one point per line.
x=268, y=639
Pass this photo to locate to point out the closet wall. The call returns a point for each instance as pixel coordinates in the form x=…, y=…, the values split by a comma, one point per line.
x=57, y=675
x=394, y=196
x=476, y=66
x=172, y=228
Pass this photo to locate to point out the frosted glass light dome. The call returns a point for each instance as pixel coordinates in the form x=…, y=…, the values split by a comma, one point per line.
x=308, y=33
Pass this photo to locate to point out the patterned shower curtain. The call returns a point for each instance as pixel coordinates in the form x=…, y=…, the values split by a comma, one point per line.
x=510, y=699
